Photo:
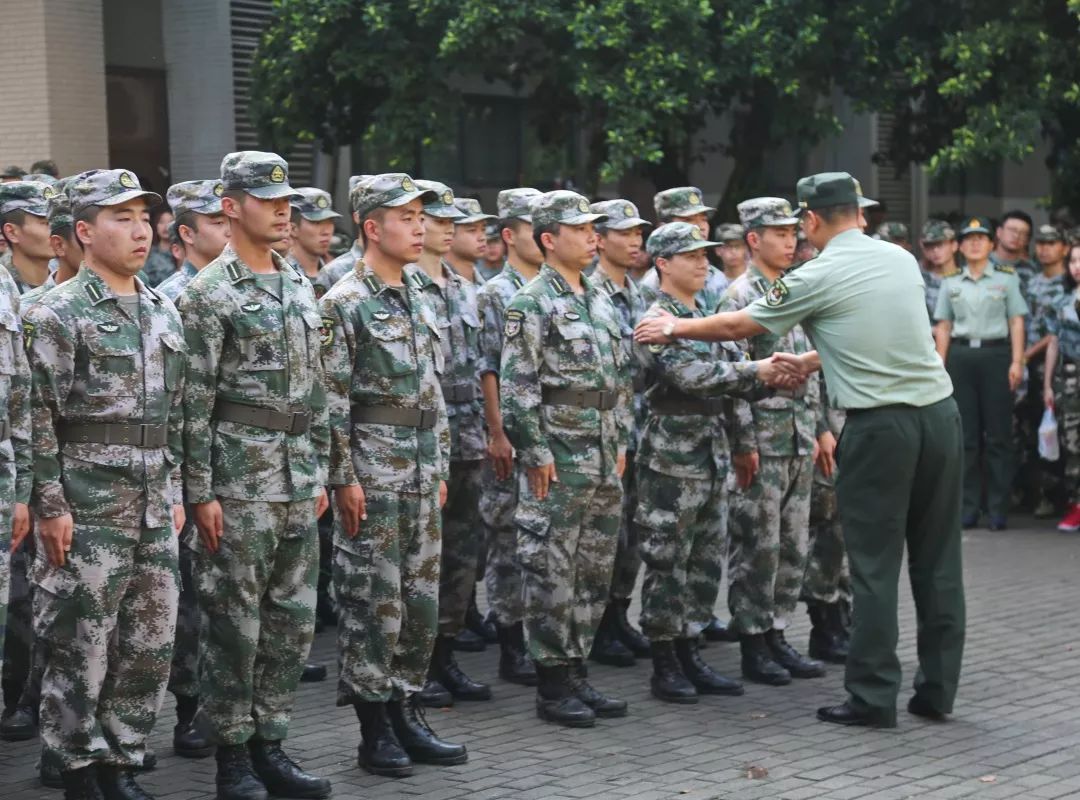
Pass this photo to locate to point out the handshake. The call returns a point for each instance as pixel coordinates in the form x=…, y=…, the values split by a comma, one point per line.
x=787, y=370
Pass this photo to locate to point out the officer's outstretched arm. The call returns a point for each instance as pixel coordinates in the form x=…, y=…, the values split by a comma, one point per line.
x=722, y=327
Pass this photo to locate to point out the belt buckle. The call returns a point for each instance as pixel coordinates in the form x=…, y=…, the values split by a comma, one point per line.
x=976, y=343
x=298, y=423
x=427, y=418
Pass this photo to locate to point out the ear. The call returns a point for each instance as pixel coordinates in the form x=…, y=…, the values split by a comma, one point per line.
x=82, y=232
x=9, y=231
x=187, y=235
x=548, y=238
x=371, y=230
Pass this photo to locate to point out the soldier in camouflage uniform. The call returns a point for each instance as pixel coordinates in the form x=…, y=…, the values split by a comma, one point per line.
x=160, y=263
x=939, y=248
x=498, y=499
x=1011, y=238
x=732, y=249
x=1061, y=386
x=470, y=239
x=256, y=445
x=567, y=406
x=312, y=229
x=773, y=442
x=619, y=240
x=343, y=264
x=202, y=227
x=895, y=233
x=23, y=206
x=107, y=361
x=389, y=462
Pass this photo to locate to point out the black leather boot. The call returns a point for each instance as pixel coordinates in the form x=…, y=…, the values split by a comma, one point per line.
x=313, y=673
x=469, y=642
x=482, y=626
x=236, y=778
x=668, y=682
x=118, y=783
x=791, y=659
x=281, y=775
x=444, y=668
x=18, y=724
x=434, y=694
x=191, y=735
x=636, y=642
x=81, y=784
x=514, y=663
x=380, y=752
x=717, y=631
x=825, y=643
x=606, y=646
x=149, y=761
x=556, y=701
x=758, y=664
x=417, y=737
x=601, y=704
x=705, y=679
x=49, y=766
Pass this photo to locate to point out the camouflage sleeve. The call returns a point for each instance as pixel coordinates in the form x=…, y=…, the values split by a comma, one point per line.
x=679, y=365
x=51, y=356
x=741, y=432
x=320, y=425
x=491, y=332
x=205, y=336
x=816, y=391
x=19, y=417
x=442, y=431
x=520, y=385
x=176, y=435
x=338, y=345
x=624, y=405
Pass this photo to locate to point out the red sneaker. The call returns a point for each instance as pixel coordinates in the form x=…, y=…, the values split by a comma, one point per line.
x=1071, y=522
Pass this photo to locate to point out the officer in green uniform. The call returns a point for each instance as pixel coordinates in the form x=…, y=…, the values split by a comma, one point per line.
x=900, y=459
x=980, y=337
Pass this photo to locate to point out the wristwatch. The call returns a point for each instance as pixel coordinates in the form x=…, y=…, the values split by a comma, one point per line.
x=669, y=330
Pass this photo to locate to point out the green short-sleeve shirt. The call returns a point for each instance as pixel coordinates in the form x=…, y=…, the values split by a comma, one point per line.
x=981, y=308
x=863, y=303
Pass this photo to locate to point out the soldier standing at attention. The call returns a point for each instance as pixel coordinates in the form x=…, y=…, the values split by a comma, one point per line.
x=499, y=494
x=23, y=206
x=256, y=445
x=566, y=405
x=1010, y=242
x=389, y=463
x=343, y=264
x=203, y=228
x=107, y=360
x=1061, y=386
x=491, y=263
x=470, y=239
x=312, y=229
x=939, y=247
x=980, y=337
x=732, y=249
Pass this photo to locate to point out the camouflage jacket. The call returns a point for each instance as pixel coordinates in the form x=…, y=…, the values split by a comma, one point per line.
x=381, y=348
x=15, y=451
x=31, y=296
x=630, y=306
x=90, y=362
x=173, y=286
x=248, y=346
x=459, y=335
x=1042, y=297
x=492, y=300
x=690, y=446
x=159, y=266
x=21, y=286
x=556, y=339
x=1025, y=270
x=337, y=269
x=708, y=298
x=1064, y=323
x=933, y=289
x=785, y=423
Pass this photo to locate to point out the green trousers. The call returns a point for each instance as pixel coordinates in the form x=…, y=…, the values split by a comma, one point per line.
x=898, y=482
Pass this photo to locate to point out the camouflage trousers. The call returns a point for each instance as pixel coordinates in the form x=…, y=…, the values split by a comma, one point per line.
x=462, y=540
x=107, y=618
x=502, y=572
x=1036, y=478
x=628, y=551
x=827, y=579
x=566, y=547
x=257, y=596
x=18, y=646
x=1067, y=409
x=184, y=672
x=387, y=584
x=7, y=492
x=769, y=524
x=683, y=526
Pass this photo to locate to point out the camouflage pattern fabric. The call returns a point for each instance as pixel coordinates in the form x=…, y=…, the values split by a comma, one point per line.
x=31, y=296
x=681, y=201
x=933, y=289
x=184, y=668
x=262, y=175
x=159, y=266
x=174, y=285
x=462, y=542
x=827, y=578
x=337, y=269
x=1025, y=270
x=708, y=298
x=1042, y=295
x=8, y=266
x=1065, y=324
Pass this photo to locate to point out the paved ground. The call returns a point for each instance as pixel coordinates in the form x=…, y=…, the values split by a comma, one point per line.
x=1016, y=732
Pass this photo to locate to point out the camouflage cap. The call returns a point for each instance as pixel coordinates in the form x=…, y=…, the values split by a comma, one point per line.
x=262, y=175
x=491, y=230
x=729, y=232
x=388, y=190
x=766, y=212
x=355, y=179
x=202, y=197
x=937, y=230
x=314, y=204
x=1074, y=235
x=682, y=201
x=827, y=189
x=621, y=215
x=40, y=177
x=1050, y=233
x=13, y=171
x=472, y=211
x=674, y=238
x=107, y=187
x=442, y=205
x=976, y=225
x=893, y=232
x=59, y=213
x=514, y=203
x=561, y=207
x=29, y=196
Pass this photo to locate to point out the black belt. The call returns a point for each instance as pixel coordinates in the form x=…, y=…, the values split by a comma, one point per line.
x=461, y=393
x=673, y=407
x=977, y=343
x=5, y=430
x=389, y=415
x=604, y=401
x=133, y=434
x=292, y=422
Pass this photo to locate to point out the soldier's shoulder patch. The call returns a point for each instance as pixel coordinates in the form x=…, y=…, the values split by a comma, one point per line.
x=1007, y=270
x=952, y=273
x=777, y=294
x=326, y=331
x=512, y=328
x=656, y=348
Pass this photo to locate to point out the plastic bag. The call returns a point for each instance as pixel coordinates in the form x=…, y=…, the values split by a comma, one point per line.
x=1048, y=437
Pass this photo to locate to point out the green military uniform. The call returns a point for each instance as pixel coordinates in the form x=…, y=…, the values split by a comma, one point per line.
x=978, y=363
x=314, y=205
x=1064, y=323
x=32, y=198
x=108, y=375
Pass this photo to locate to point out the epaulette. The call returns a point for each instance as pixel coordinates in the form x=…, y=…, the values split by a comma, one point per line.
x=94, y=293
x=232, y=269
x=952, y=273
x=517, y=280
x=370, y=283
x=761, y=285
x=1005, y=269
x=417, y=279
x=559, y=284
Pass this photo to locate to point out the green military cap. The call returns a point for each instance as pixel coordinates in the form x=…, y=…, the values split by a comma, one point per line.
x=766, y=212
x=388, y=190
x=561, y=207
x=442, y=204
x=893, y=232
x=472, y=211
x=29, y=196
x=976, y=225
x=202, y=197
x=13, y=171
x=59, y=211
x=40, y=177
x=355, y=179
x=682, y=201
x=106, y=187
x=314, y=204
x=937, y=230
x=674, y=238
x=1050, y=233
x=729, y=232
x=262, y=175
x=830, y=189
x=621, y=215
x=514, y=203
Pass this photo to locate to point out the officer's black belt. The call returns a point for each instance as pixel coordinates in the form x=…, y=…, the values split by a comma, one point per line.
x=134, y=434
x=5, y=430
x=389, y=415
x=690, y=407
x=461, y=393
x=979, y=342
x=293, y=422
x=604, y=401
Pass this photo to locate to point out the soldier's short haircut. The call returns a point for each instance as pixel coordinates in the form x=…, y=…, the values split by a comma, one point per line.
x=1017, y=213
x=16, y=217
x=831, y=214
x=376, y=214
x=189, y=219
x=64, y=232
x=87, y=214
x=538, y=232
x=295, y=217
